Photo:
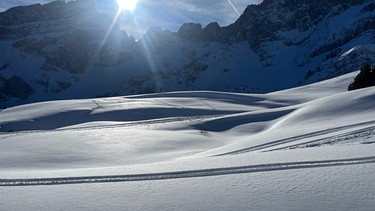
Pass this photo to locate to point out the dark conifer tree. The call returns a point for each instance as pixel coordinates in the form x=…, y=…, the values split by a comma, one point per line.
x=365, y=78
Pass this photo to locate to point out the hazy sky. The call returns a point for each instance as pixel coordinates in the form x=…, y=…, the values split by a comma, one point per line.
x=167, y=14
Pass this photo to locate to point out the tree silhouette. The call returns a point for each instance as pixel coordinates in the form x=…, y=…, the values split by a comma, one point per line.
x=365, y=78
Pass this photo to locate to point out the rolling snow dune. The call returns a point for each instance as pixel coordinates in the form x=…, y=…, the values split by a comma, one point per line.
x=307, y=148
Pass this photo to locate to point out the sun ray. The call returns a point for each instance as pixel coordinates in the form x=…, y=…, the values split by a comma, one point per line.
x=114, y=21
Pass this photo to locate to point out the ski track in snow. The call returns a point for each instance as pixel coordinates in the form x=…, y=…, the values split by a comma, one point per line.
x=336, y=139
x=296, y=138
x=185, y=174
x=5, y=135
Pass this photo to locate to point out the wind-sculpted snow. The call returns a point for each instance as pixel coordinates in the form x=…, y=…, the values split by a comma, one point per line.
x=48, y=115
x=228, y=122
x=69, y=118
x=186, y=174
x=218, y=123
x=334, y=139
x=307, y=146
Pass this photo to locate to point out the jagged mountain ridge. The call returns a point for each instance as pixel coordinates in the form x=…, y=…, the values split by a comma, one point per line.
x=63, y=50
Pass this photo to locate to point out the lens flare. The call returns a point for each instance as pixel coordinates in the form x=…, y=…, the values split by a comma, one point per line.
x=127, y=4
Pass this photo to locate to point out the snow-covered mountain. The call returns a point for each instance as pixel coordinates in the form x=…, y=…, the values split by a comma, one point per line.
x=66, y=50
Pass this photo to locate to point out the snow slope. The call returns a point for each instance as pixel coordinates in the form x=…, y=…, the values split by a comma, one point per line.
x=307, y=148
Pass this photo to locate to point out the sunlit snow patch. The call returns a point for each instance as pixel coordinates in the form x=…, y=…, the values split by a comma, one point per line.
x=349, y=51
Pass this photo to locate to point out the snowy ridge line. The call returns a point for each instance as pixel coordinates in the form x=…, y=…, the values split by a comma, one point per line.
x=4, y=135
x=185, y=174
x=287, y=140
x=138, y=123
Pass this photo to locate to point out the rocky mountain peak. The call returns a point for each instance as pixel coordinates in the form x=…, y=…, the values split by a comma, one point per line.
x=52, y=11
x=190, y=31
x=69, y=35
x=263, y=22
x=195, y=32
x=67, y=49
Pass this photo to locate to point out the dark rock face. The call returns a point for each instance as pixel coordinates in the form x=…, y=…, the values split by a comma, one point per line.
x=260, y=23
x=14, y=87
x=71, y=46
x=156, y=39
x=69, y=35
x=190, y=31
x=211, y=32
x=194, y=32
x=51, y=11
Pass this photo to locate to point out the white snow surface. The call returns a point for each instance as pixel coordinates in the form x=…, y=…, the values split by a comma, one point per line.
x=306, y=148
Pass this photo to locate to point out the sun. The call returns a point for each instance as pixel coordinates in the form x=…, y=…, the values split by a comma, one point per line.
x=127, y=4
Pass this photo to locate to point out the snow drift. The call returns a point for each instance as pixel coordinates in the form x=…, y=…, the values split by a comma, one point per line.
x=310, y=147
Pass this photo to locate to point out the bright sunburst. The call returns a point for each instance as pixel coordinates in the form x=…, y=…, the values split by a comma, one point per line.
x=127, y=4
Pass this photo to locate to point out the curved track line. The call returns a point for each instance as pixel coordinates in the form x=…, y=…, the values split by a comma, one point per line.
x=296, y=138
x=365, y=132
x=185, y=174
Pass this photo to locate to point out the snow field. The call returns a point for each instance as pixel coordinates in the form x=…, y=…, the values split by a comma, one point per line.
x=307, y=148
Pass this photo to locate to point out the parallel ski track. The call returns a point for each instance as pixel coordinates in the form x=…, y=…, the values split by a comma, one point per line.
x=296, y=138
x=365, y=132
x=185, y=174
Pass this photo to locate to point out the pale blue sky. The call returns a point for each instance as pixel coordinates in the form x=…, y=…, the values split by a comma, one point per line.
x=166, y=14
